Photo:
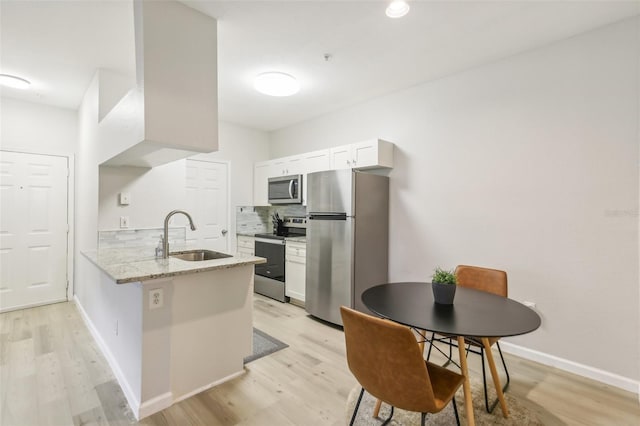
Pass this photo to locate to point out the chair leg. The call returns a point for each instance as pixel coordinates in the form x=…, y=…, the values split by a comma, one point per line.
x=376, y=409
x=430, y=345
x=493, y=405
x=386, y=422
x=450, y=353
x=504, y=364
x=423, y=420
x=355, y=411
x=455, y=410
x=449, y=359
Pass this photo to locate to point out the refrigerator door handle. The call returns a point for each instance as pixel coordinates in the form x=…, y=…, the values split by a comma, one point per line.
x=327, y=216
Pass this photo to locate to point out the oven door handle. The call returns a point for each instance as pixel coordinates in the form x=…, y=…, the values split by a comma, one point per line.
x=269, y=241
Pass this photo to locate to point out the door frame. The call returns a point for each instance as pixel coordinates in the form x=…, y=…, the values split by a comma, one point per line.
x=228, y=164
x=70, y=213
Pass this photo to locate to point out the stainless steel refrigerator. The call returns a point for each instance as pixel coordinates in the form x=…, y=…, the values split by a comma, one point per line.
x=347, y=240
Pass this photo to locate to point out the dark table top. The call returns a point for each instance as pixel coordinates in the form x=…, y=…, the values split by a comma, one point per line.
x=473, y=313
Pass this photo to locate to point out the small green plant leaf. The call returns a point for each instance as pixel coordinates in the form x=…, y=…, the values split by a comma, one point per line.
x=443, y=276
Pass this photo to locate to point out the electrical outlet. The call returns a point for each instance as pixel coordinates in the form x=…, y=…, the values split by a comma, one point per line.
x=156, y=298
x=124, y=221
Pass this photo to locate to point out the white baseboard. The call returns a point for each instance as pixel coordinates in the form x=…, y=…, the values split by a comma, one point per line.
x=134, y=403
x=154, y=405
x=209, y=386
x=32, y=305
x=612, y=379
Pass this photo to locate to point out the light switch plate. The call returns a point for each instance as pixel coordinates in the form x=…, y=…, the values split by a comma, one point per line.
x=124, y=221
x=125, y=199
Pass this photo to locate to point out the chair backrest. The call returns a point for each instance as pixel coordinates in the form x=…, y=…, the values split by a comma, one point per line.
x=485, y=279
x=385, y=359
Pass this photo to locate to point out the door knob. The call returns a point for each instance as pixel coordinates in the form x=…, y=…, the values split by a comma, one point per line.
x=224, y=232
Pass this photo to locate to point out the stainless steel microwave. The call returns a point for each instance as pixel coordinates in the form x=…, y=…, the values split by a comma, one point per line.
x=285, y=189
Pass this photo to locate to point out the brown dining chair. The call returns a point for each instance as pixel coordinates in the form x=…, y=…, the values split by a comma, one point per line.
x=385, y=359
x=492, y=281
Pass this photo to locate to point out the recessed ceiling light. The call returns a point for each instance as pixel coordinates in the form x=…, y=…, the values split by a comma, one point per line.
x=276, y=84
x=397, y=9
x=13, y=81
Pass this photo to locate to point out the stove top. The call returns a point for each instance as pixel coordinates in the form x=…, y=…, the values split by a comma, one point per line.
x=272, y=236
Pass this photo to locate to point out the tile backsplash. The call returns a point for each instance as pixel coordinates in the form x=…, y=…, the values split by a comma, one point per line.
x=149, y=237
x=257, y=219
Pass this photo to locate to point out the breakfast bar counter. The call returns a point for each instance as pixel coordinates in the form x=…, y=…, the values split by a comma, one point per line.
x=170, y=328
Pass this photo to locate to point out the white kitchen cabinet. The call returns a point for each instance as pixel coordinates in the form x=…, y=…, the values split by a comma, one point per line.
x=369, y=154
x=245, y=246
x=295, y=267
x=286, y=166
x=261, y=175
x=314, y=161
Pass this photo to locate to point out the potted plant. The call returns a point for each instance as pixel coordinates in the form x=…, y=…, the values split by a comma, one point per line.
x=443, y=283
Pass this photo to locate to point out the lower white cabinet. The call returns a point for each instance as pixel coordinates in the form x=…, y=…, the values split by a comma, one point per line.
x=295, y=265
x=245, y=246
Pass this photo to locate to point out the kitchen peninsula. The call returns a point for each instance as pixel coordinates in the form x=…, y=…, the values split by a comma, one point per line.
x=170, y=328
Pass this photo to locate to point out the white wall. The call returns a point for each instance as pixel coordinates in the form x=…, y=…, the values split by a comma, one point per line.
x=529, y=164
x=157, y=191
x=36, y=128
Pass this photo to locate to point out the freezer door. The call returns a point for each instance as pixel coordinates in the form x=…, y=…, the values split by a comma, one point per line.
x=330, y=191
x=329, y=272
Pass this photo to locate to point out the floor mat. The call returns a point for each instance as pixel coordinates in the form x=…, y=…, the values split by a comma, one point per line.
x=263, y=345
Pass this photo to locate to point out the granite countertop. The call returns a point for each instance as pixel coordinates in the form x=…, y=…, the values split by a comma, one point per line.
x=246, y=234
x=126, y=265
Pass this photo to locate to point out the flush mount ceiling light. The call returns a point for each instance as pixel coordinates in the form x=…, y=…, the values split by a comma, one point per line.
x=397, y=9
x=276, y=84
x=13, y=81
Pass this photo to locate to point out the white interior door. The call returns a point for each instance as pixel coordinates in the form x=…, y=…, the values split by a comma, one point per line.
x=207, y=202
x=33, y=229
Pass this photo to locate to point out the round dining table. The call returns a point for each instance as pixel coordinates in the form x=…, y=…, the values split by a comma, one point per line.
x=473, y=313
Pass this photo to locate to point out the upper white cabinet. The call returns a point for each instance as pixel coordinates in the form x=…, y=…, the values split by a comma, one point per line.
x=287, y=166
x=370, y=154
x=314, y=161
x=261, y=175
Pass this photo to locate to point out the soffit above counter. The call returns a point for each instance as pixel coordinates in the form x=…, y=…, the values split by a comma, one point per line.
x=172, y=112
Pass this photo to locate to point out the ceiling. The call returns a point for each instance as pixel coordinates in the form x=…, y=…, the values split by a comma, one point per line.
x=58, y=45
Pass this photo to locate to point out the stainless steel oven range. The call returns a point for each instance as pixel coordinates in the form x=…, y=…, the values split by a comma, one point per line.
x=270, y=277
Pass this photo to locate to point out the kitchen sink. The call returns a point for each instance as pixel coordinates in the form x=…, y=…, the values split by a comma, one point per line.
x=199, y=255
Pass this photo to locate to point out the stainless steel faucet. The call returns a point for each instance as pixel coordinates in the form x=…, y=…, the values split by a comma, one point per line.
x=165, y=240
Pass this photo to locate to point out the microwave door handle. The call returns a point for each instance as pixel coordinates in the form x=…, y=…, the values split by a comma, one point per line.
x=291, y=189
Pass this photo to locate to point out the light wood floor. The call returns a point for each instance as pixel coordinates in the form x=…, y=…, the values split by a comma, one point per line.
x=52, y=373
